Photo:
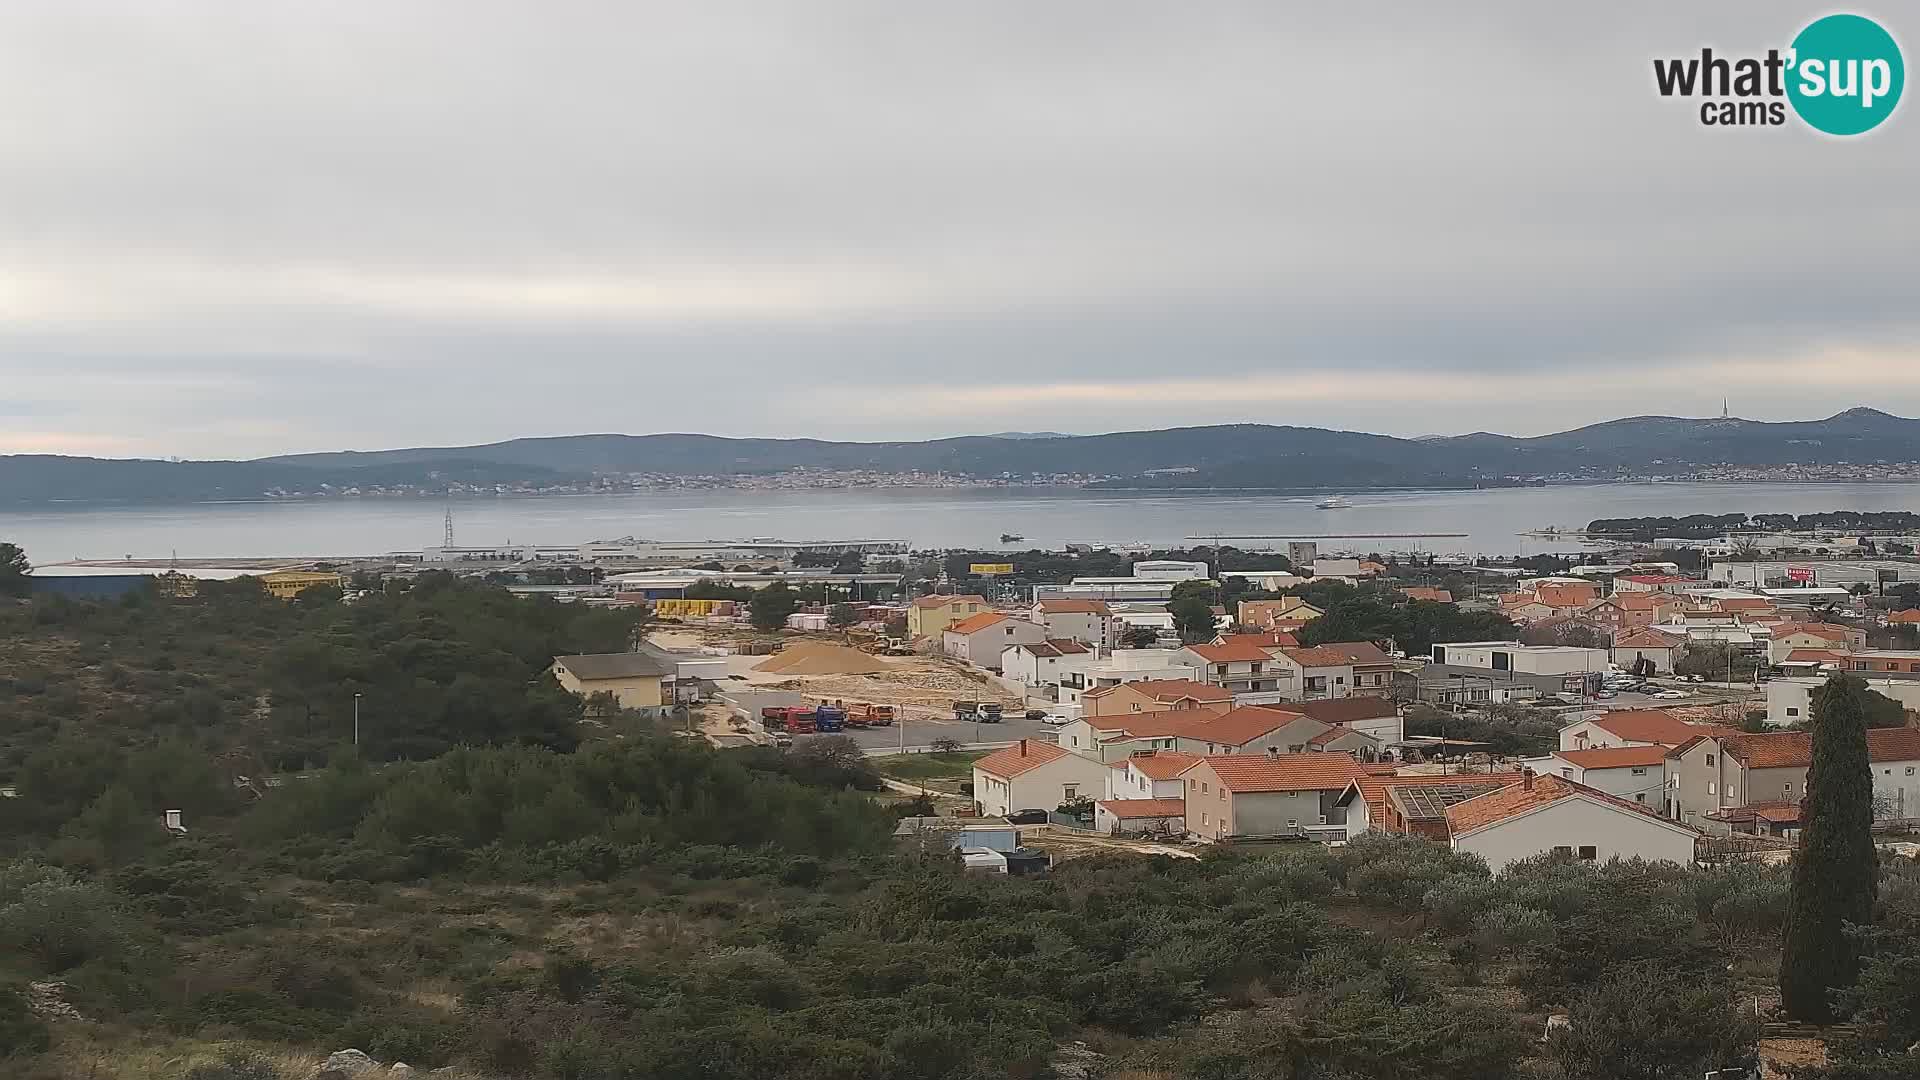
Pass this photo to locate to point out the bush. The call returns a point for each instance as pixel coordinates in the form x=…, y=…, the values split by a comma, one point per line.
x=1641, y=1022
x=1398, y=871
x=21, y=1032
x=236, y=1063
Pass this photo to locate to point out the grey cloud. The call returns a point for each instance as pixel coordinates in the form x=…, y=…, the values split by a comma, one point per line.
x=448, y=222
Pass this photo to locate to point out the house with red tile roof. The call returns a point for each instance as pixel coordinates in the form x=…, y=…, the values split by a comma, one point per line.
x=1034, y=775
x=1635, y=773
x=1551, y=814
x=1249, y=729
x=1908, y=617
x=1422, y=592
x=1631, y=727
x=1154, y=695
x=1088, y=621
x=1369, y=713
x=929, y=616
x=1714, y=772
x=1622, y=611
x=1647, y=650
x=1266, y=614
x=1262, y=795
x=981, y=639
x=1334, y=670
x=1239, y=667
x=1667, y=583
x=1264, y=639
x=1411, y=804
x=1149, y=774
x=1046, y=663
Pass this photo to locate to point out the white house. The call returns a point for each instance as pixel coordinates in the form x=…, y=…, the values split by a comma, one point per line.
x=1088, y=621
x=1130, y=666
x=981, y=639
x=1045, y=663
x=1032, y=775
x=1541, y=814
x=1637, y=774
x=1241, y=667
x=1371, y=714
x=1148, y=774
x=1631, y=727
x=1790, y=700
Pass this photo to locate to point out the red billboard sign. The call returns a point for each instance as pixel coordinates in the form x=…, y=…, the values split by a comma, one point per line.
x=1799, y=573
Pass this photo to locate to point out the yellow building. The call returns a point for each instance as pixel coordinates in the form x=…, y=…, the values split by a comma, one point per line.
x=929, y=616
x=637, y=680
x=287, y=584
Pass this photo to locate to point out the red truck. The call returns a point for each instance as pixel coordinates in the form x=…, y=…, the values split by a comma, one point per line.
x=789, y=718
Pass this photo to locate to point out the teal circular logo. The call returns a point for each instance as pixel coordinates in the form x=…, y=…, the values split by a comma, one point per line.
x=1845, y=74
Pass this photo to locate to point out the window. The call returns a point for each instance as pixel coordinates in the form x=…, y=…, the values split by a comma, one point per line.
x=1787, y=787
x=1223, y=793
x=1909, y=770
x=1589, y=853
x=1562, y=849
x=1293, y=823
x=1709, y=761
x=1323, y=819
x=1204, y=789
x=1793, y=710
x=1640, y=797
x=1339, y=680
x=1068, y=791
x=1203, y=817
x=1732, y=792
x=1640, y=771
x=1710, y=790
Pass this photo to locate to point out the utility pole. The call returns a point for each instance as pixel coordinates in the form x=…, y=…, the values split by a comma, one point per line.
x=356, y=720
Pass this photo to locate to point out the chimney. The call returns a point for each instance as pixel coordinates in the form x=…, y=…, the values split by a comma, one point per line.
x=1023, y=748
x=1526, y=779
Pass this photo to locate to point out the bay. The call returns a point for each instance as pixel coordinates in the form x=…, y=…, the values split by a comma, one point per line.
x=1491, y=521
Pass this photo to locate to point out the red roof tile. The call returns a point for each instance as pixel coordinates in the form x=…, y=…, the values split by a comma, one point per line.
x=1373, y=786
x=1241, y=726
x=1169, y=690
x=1815, y=656
x=1615, y=757
x=1170, y=723
x=1519, y=798
x=1022, y=757
x=1075, y=607
x=1134, y=809
x=1911, y=615
x=1338, y=654
x=1346, y=710
x=1820, y=630
x=1646, y=638
x=1160, y=764
x=1564, y=596
x=1055, y=647
x=975, y=623
x=1255, y=773
x=1650, y=726
x=1419, y=592
x=1794, y=749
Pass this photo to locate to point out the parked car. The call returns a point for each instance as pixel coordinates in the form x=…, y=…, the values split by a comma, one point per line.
x=1055, y=719
x=1670, y=695
x=1029, y=817
x=1037, y=714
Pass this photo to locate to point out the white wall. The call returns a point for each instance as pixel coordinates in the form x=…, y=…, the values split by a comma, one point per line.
x=1040, y=789
x=1646, y=787
x=1575, y=822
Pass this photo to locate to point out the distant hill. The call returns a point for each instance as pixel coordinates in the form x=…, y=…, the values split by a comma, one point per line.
x=1248, y=456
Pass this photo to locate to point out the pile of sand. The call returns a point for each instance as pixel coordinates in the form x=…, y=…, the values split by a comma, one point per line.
x=819, y=658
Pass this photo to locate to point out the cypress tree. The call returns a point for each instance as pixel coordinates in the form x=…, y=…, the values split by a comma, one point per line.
x=1835, y=875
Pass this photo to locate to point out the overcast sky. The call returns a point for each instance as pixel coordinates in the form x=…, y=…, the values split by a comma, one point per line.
x=247, y=228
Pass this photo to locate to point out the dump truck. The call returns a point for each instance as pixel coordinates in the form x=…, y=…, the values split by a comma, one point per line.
x=829, y=718
x=990, y=713
x=966, y=710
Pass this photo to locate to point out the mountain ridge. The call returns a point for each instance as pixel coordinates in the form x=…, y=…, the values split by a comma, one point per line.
x=1252, y=456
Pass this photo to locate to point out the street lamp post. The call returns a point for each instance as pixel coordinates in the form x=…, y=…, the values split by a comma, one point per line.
x=356, y=720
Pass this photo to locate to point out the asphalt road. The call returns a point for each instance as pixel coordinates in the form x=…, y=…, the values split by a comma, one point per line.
x=923, y=732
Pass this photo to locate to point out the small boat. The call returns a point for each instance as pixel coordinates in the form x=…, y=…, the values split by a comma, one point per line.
x=1008, y=538
x=1332, y=502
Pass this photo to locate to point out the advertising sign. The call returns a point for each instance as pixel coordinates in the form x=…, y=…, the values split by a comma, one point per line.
x=988, y=569
x=1799, y=573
